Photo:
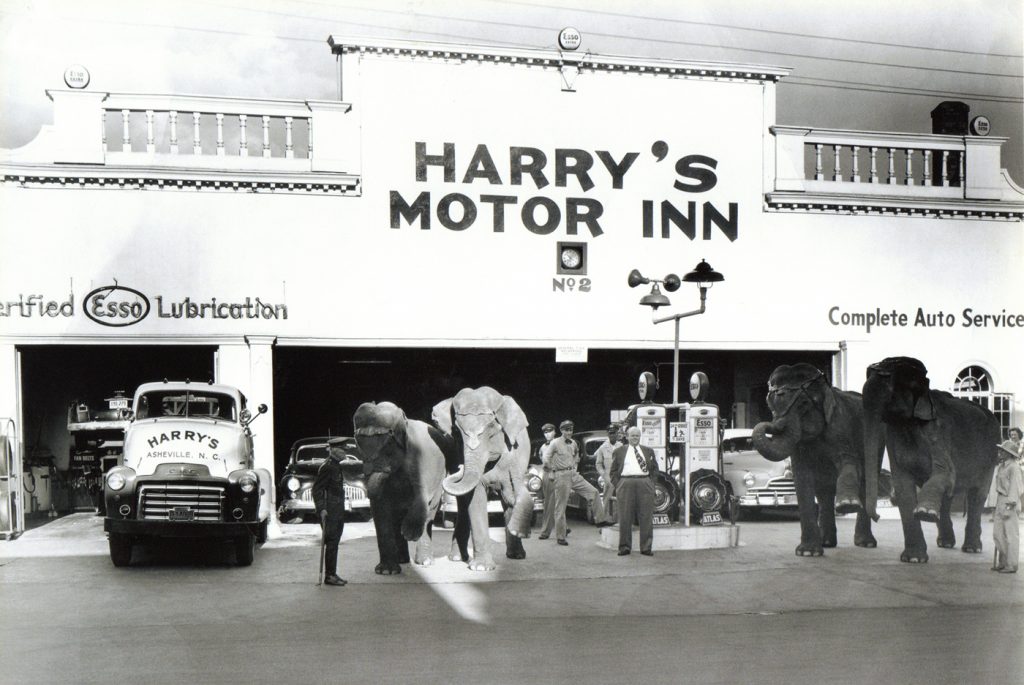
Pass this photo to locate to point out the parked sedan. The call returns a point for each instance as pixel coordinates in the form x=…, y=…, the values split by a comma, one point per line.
x=756, y=482
x=295, y=489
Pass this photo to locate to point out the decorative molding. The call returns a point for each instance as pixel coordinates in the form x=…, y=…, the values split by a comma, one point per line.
x=867, y=205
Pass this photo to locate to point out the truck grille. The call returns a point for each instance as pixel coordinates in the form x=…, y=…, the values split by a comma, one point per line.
x=156, y=501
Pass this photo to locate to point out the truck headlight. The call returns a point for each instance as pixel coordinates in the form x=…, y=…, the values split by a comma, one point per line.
x=116, y=481
x=248, y=481
x=292, y=484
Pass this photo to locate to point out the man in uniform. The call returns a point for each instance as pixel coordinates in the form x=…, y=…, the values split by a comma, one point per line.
x=329, y=500
x=560, y=457
x=603, y=464
x=1005, y=531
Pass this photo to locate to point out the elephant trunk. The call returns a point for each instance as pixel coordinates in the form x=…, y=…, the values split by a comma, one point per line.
x=874, y=443
x=465, y=479
x=375, y=483
x=776, y=440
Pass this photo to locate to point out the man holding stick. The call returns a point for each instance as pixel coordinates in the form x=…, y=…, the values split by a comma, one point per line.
x=329, y=500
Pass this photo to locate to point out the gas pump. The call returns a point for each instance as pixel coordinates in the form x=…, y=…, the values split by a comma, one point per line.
x=12, y=508
x=709, y=494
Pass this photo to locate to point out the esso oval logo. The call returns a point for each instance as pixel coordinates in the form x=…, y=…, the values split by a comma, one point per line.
x=569, y=39
x=116, y=305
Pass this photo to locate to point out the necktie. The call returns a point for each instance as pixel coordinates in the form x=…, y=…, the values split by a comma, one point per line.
x=640, y=459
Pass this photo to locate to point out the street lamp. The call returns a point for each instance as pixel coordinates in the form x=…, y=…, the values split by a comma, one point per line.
x=703, y=275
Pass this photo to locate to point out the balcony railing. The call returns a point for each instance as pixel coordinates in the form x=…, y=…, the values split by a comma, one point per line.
x=867, y=171
x=187, y=140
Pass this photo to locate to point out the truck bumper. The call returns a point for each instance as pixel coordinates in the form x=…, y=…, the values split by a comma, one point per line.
x=179, y=529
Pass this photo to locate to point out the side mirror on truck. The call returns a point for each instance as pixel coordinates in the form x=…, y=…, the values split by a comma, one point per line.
x=247, y=416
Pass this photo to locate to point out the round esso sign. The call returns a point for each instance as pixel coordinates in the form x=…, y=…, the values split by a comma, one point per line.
x=569, y=39
x=76, y=76
x=980, y=126
x=116, y=305
x=646, y=386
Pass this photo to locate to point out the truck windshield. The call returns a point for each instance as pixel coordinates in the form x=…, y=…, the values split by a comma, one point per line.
x=208, y=405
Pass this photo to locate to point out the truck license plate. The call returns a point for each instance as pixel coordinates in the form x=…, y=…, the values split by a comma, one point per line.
x=181, y=514
x=710, y=518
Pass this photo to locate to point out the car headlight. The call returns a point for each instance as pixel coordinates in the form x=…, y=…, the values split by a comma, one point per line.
x=292, y=483
x=248, y=481
x=533, y=484
x=748, y=479
x=116, y=481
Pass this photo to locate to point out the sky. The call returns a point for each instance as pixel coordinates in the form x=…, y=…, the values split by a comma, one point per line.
x=866, y=65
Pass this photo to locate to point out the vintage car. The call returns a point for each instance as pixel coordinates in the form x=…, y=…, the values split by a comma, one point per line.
x=294, y=490
x=756, y=482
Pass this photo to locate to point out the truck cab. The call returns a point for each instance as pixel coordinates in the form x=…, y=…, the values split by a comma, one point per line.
x=188, y=471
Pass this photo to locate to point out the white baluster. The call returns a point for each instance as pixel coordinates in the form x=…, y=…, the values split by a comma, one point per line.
x=173, y=116
x=963, y=179
x=874, y=165
x=909, y=180
x=289, y=152
x=945, y=168
x=926, y=180
x=126, y=136
x=243, y=147
x=103, y=129
x=855, y=175
x=266, y=136
x=220, y=134
x=197, y=143
x=892, y=166
x=818, y=175
x=836, y=174
x=150, y=144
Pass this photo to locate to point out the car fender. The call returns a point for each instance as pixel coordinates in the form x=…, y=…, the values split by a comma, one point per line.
x=266, y=494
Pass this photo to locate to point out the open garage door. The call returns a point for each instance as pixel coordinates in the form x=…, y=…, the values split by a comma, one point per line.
x=316, y=390
x=63, y=470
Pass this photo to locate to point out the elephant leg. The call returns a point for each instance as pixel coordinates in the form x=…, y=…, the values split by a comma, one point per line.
x=415, y=521
x=401, y=543
x=939, y=485
x=387, y=548
x=827, y=519
x=862, y=536
x=482, y=559
x=810, y=533
x=848, y=489
x=424, y=549
x=513, y=543
x=915, y=551
x=974, y=501
x=947, y=536
x=460, y=535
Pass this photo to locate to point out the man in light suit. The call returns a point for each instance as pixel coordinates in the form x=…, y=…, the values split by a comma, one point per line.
x=633, y=472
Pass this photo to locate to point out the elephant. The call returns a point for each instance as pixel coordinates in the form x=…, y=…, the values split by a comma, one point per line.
x=404, y=462
x=491, y=435
x=822, y=429
x=942, y=444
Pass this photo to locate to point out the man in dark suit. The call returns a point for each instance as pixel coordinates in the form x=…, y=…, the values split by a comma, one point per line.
x=633, y=471
x=329, y=500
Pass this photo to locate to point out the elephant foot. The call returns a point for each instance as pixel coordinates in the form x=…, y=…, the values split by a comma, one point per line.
x=516, y=554
x=868, y=541
x=482, y=565
x=849, y=506
x=809, y=551
x=387, y=568
x=518, y=533
x=425, y=560
x=910, y=557
x=923, y=513
x=829, y=540
x=945, y=543
x=972, y=547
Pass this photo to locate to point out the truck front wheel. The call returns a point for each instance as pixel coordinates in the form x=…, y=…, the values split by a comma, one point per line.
x=120, y=549
x=245, y=549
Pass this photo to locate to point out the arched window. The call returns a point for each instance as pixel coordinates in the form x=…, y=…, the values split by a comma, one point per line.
x=974, y=383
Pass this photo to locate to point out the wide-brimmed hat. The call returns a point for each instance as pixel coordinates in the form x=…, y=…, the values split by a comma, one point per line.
x=1009, y=449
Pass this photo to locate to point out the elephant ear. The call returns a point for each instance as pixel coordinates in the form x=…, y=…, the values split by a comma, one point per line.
x=924, y=410
x=512, y=419
x=828, y=402
x=442, y=415
x=400, y=428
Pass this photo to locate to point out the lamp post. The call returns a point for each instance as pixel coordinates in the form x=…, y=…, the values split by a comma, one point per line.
x=703, y=275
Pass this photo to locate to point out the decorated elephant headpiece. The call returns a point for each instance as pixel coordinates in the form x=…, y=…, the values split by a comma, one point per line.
x=907, y=376
x=788, y=383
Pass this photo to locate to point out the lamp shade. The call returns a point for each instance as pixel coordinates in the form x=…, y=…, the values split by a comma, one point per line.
x=655, y=298
x=703, y=273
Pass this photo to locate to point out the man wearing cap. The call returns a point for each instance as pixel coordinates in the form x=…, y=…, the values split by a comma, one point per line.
x=1005, y=531
x=329, y=501
x=603, y=464
x=633, y=472
x=547, y=480
x=560, y=457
